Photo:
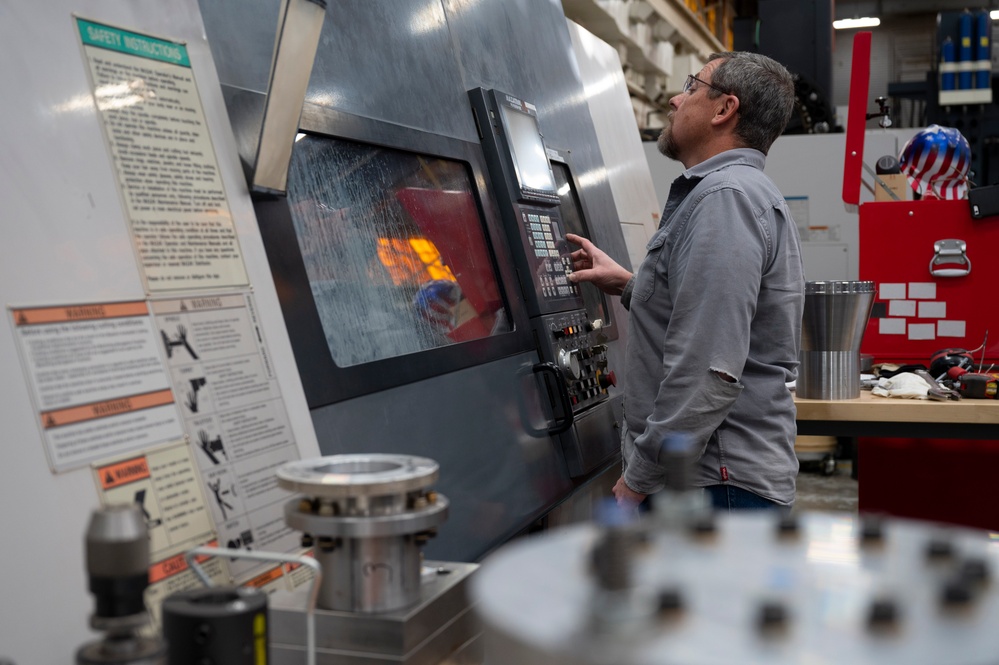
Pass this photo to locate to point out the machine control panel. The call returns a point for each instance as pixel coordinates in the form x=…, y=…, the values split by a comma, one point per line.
x=528, y=197
x=568, y=341
x=577, y=350
x=549, y=255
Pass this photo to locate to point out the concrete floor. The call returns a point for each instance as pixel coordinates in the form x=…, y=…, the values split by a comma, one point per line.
x=815, y=491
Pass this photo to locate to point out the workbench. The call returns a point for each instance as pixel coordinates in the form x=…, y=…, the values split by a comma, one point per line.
x=920, y=458
x=870, y=415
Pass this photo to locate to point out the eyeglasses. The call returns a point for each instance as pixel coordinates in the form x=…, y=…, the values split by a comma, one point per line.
x=690, y=82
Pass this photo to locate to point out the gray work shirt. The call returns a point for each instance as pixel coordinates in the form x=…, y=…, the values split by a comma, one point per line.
x=720, y=290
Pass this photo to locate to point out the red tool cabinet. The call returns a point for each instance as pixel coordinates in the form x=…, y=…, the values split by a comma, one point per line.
x=948, y=480
x=917, y=312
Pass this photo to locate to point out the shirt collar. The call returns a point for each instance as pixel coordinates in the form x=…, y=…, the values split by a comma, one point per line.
x=745, y=156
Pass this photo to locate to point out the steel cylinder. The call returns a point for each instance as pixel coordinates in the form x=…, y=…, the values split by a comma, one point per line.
x=833, y=325
x=366, y=517
x=218, y=625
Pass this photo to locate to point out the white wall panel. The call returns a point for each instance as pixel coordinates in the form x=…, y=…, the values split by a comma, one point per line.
x=811, y=166
x=65, y=240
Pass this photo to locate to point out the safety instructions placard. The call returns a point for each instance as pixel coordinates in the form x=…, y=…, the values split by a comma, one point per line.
x=235, y=417
x=167, y=170
x=164, y=483
x=97, y=380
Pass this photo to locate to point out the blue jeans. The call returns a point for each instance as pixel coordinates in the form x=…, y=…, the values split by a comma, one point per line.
x=730, y=497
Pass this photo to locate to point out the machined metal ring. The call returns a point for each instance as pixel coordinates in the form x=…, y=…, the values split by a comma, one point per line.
x=346, y=526
x=358, y=475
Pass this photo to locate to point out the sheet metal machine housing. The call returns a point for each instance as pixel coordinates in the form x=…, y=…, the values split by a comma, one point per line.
x=474, y=405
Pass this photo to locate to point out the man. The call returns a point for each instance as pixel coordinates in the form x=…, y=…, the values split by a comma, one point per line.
x=715, y=307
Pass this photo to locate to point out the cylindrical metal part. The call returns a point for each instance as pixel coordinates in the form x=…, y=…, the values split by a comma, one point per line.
x=117, y=550
x=218, y=625
x=117, y=558
x=833, y=325
x=123, y=650
x=368, y=516
x=370, y=574
x=678, y=457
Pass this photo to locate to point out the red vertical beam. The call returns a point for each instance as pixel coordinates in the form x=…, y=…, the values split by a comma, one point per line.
x=856, y=121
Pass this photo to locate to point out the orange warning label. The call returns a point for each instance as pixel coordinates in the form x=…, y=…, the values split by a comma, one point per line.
x=292, y=566
x=33, y=316
x=123, y=473
x=175, y=565
x=111, y=407
x=266, y=578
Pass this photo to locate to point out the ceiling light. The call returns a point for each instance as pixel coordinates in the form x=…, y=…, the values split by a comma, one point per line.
x=851, y=23
x=994, y=14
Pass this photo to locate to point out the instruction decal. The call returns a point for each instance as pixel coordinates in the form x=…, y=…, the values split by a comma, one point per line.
x=234, y=416
x=166, y=167
x=97, y=380
x=164, y=483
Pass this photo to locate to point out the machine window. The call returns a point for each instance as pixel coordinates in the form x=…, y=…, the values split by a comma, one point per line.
x=394, y=249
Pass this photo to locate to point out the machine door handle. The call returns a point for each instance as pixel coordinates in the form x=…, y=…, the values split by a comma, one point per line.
x=562, y=388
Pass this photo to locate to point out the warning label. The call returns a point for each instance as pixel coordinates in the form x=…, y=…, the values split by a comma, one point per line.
x=174, y=565
x=123, y=473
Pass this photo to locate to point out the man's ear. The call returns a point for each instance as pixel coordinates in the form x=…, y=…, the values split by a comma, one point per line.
x=726, y=111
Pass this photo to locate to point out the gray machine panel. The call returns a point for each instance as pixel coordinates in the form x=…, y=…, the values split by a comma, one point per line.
x=390, y=61
x=475, y=423
x=410, y=63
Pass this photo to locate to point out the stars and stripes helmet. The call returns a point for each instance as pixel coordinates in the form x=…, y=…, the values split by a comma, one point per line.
x=935, y=162
x=435, y=302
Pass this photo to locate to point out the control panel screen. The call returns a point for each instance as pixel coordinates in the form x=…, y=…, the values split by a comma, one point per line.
x=528, y=150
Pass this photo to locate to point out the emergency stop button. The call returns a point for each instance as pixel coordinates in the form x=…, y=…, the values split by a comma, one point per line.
x=608, y=379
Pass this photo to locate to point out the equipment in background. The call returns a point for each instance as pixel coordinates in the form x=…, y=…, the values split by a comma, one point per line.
x=956, y=369
x=833, y=324
x=945, y=359
x=117, y=548
x=366, y=518
x=568, y=330
x=965, y=63
x=217, y=625
x=742, y=587
x=977, y=385
x=938, y=391
x=958, y=93
x=936, y=162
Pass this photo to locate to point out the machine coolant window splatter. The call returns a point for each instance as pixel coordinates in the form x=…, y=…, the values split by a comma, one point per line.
x=394, y=250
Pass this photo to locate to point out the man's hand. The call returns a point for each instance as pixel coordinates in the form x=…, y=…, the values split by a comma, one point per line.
x=627, y=497
x=591, y=264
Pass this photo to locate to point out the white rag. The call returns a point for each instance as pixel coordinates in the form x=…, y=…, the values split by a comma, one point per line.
x=906, y=385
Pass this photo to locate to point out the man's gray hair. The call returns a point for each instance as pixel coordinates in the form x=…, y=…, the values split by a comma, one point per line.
x=766, y=95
